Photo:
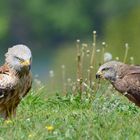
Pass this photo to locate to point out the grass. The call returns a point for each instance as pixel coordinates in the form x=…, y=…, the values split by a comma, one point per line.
x=108, y=116
x=84, y=109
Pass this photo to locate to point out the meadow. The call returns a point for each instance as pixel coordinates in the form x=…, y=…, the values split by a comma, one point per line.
x=108, y=116
x=84, y=109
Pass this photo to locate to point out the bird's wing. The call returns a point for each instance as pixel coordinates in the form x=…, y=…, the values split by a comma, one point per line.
x=128, y=70
x=6, y=82
x=130, y=84
x=133, y=70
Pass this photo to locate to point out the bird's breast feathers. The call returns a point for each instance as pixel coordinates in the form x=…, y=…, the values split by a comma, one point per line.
x=13, y=86
x=8, y=80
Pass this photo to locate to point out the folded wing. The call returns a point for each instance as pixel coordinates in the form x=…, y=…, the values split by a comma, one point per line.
x=129, y=85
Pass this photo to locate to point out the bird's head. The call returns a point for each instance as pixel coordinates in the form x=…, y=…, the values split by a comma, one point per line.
x=109, y=70
x=19, y=57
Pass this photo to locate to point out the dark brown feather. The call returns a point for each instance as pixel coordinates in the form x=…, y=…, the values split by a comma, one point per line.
x=130, y=84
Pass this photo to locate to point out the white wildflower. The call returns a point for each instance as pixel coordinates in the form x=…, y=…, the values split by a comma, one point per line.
x=103, y=43
x=94, y=32
x=107, y=57
x=98, y=50
x=117, y=58
x=51, y=73
x=63, y=66
x=126, y=45
x=132, y=58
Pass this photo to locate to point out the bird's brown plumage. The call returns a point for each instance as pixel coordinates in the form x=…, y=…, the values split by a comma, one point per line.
x=126, y=80
x=14, y=85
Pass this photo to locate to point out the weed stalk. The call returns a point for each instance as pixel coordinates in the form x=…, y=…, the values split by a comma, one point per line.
x=92, y=60
x=64, y=78
x=79, y=69
x=126, y=52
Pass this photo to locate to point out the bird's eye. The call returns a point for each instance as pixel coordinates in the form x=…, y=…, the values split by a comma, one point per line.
x=20, y=59
x=104, y=69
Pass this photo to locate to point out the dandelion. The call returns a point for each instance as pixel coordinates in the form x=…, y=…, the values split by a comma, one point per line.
x=98, y=50
x=107, y=57
x=117, y=58
x=94, y=32
x=51, y=73
x=63, y=66
x=28, y=119
x=78, y=40
x=31, y=135
x=88, y=52
x=78, y=80
x=132, y=60
x=84, y=47
x=126, y=45
x=49, y=128
x=103, y=43
x=91, y=67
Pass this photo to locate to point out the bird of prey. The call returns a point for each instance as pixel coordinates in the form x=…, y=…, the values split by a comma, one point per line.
x=125, y=79
x=15, y=79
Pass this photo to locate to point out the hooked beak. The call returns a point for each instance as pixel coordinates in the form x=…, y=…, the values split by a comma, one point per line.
x=99, y=75
x=26, y=63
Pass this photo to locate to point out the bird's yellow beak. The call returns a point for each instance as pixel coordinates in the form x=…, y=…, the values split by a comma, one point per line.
x=26, y=63
x=99, y=74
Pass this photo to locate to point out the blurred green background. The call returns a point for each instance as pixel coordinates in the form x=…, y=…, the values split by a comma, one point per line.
x=51, y=27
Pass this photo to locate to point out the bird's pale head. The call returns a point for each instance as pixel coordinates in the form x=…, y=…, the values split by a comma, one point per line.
x=109, y=70
x=19, y=57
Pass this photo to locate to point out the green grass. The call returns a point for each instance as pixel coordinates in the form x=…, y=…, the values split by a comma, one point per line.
x=97, y=112
x=109, y=116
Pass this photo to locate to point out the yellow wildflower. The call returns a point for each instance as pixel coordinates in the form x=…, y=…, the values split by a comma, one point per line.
x=8, y=122
x=50, y=128
x=30, y=135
